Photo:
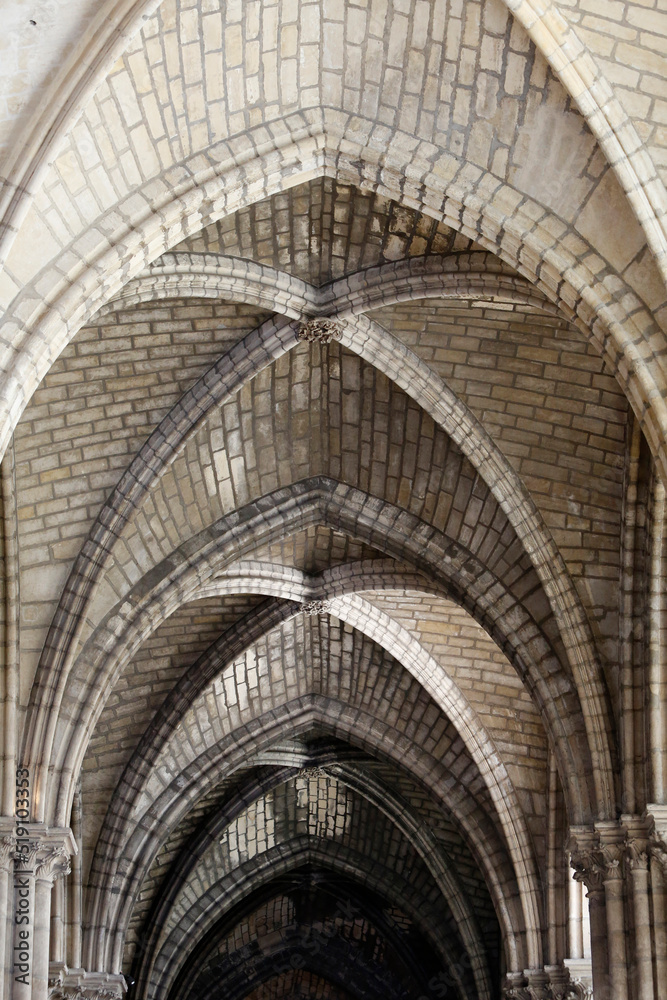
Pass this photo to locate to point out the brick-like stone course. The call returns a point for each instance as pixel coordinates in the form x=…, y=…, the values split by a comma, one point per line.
x=322, y=328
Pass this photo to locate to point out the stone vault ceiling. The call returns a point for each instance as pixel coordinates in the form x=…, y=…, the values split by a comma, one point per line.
x=332, y=395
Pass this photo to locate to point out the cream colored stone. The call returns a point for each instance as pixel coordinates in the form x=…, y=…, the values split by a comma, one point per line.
x=372, y=603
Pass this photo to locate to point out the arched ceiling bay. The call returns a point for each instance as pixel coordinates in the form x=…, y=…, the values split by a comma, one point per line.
x=476, y=130
x=320, y=494
x=261, y=554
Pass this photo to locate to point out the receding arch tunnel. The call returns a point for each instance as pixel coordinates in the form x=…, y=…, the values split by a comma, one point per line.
x=332, y=408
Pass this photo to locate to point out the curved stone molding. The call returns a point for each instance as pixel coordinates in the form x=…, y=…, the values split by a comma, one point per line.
x=581, y=74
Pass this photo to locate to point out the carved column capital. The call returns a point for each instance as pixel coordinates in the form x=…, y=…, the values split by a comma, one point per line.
x=656, y=820
x=7, y=852
x=561, y=986
x=56, y=972
x=45, y=851
x=637, y=841
x=514, y=988
x=588, y=869
x=25, y=855
x=319, y=331
x=81, y=985
x=560, y=991
x=580, y=979
x=657, y=848
x=583, y=848
x=520, y=990
x=637, y=854
x=611, y=862
x=61, y=992
x=537, y=986
x=52, y=863
x=579, y=990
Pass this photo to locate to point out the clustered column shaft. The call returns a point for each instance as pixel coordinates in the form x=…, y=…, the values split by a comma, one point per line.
x=623, y=867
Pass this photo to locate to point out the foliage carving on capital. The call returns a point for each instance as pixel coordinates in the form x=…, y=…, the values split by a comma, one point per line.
x=26, y=854
x=588, y=870
x=7, y=853
x=612, y=862
x=574, y=989
x=545, y=991
x=52, y=863
x=319, y=331
x=514, y=988
x=80, y=985
x=637, y=854
x=579, y=990
x=657, y=847
x=60, y=992
x=564, y=986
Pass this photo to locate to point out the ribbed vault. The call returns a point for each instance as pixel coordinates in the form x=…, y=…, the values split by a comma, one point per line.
x=332, y=399
x=396, y=737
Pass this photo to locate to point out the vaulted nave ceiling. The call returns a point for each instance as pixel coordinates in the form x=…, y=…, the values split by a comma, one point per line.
x=237, y=741
x=333, y=395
